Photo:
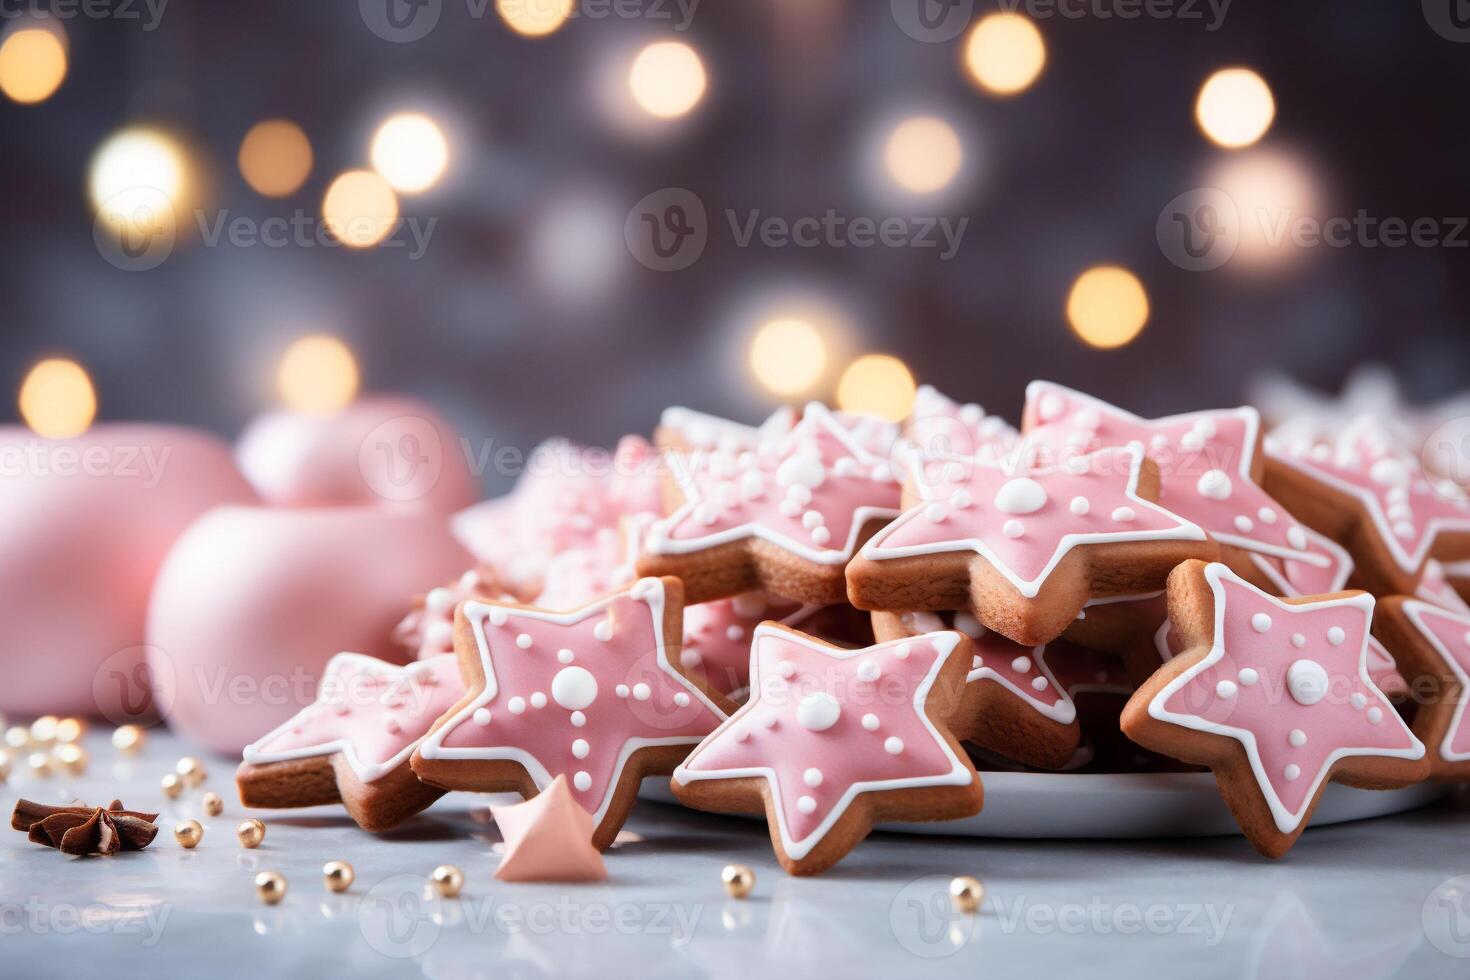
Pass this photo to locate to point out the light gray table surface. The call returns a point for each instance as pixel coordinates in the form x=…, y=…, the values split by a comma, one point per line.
x=1366, y=900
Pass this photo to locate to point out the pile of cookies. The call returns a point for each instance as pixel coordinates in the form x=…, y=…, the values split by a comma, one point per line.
x=835, y=620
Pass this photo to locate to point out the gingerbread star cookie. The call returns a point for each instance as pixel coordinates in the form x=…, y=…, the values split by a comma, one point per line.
x=784, y=517
x=594, y=694
x=833, y=740
x=1210, y=472
x=1273, y=695
x=1371, y=492
x=352, y=744
x=1012, y=704
x=1022, y=549
x=1433, y=645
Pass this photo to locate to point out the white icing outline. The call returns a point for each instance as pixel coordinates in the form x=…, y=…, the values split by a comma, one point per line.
x=1064, y=712
x=687, y=422
x=959, y=774
x=1250, y=442
x=660, y=542
x=366, y=771
x=1182, y=531
x=1415, y=609
x=1286, y=821
x=650, y=592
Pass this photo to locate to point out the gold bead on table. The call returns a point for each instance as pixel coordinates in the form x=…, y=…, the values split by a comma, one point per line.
x=127, y=739
x=40, y=765
x=189, y=834
x=251, y=832
x=447, y=880
x=190, y=770
x=966, y=893
x=212, y=804
x=69, y=730
x=171, y=785
x=338, y=876
x=738, y=879
x=43, y=730
x=270, y=886
x=72, y=758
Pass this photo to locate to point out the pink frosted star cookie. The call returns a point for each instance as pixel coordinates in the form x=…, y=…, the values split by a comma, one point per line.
x=833, y=740
x=1210, y=471
x=1024, y=550
x=352, y=744
x=595, y=694
x=1433, y=645
x=428, y=630
x=1274, y=696
x=1371, y=492
x=1012, y=704
x=784, y=518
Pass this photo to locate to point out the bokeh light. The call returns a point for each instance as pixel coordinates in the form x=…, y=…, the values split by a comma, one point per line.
x=667, y=79
x=788, y=356
x=410, y=151
x=923, y=154
x=318, y=375
x=1107, y=306
x=275, y=157
x=138, y=181
x=360, y=209
x=1235, y=107
x=879, y=384
x=57, y=399
x=534, y=18
x=1270, y=190
x=1005, y=53
x=32, y=65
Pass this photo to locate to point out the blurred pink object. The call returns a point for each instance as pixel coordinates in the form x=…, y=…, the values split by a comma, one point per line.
x=253, y=602
x=85, y=524
x=384, y=449
x=568, y=498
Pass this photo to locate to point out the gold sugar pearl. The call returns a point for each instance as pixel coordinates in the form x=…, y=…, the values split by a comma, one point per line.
x=738, y=880
x=40, y=765
x=73, y=758
x=251, y=832
x=69, y=730
x=338, y=876
x=212, y=804
x=127, y=739
x=171, y=785
x=270, y=886
x=190, y=770
x=189, y=834
x=18, y=737
x=447, y=880
x=43, y=730
x=966, y=893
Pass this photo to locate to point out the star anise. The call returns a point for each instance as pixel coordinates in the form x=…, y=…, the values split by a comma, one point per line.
x=80, y=829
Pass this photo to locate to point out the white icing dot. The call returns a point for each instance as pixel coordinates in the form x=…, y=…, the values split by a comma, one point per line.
x=1248, y=676
x=524, y=641
x=1244, y=524
x=818, y=711
x=565, y=656
x=1292, y=772
x=812, y=777
x=706, y=514
x=580, y=748
x=902, y=651
x=538, y=700
x=1389, y=472
x=578, y=719
x=582, y=781
x=1021, y=495
x=742, y=735
x=1021, y=665
x=1214, y=484
x=935, y=513
x=1297, y=738
x=1226, y=689
x=1267, y=515
x=789, y=508
x=960, y=500
x=1296, y=537
x=893, y=745
x=603, y=630
x=1375, y=715
x=786, y=668
x=1124, y=514
x=821, y=536
x=1050, y=407
x=1260, y=622
x=735, y=633
x=498, y=616
x=869, y=671
x=1335, y=636
x=574, y=688
x=1307, y=681
x=516, y=705
x=440, y=636
x=870, y=722
x=1404, y=529
x=642, y=692
x=812, y=519
x=1080, y=506
x=681, y=699
x=621, y=690
x=1192, y=441
x=1013, y=528
x=439, y=601
x=482, y=716
x=1358, y=701
x=806, y=804
x=1298, y=640
x=1038, y=683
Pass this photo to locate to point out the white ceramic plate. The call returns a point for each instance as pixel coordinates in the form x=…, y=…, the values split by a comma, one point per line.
x=1124, y=805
